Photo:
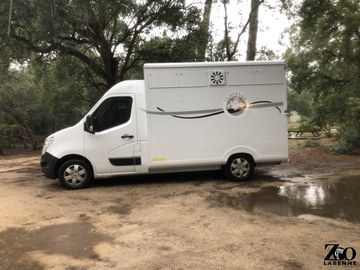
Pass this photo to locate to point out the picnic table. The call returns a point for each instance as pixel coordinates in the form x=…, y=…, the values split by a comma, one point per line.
x=300, y=132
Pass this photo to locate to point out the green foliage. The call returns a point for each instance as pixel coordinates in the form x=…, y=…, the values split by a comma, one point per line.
x=349, y=131
x=300, y=102
x=40, y=99
x=306, y=124
x=9, y=134
x=324, y=62
x=109, y=39
x=340, y=149
x=19, y=104
x=64, y=96
x=265, y=54
x=217, y=51
x=309, y=144
x=71, y=52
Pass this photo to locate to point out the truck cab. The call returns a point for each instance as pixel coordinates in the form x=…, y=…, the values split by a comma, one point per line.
x=106, y=142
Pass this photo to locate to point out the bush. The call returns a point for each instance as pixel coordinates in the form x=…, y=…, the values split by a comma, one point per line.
x=328, y=134
x=340, y=149
x=8, y=134
x=349, y=141
x=349, y=132
x=309, y=144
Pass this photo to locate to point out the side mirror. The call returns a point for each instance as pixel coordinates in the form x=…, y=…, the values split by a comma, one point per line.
x=89, y=124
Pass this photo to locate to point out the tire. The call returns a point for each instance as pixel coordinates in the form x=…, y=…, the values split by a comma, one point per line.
x=239, y=167
x=75, y=174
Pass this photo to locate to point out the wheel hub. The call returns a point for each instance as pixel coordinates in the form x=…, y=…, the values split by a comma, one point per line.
x=240, y=167
x=75, y=174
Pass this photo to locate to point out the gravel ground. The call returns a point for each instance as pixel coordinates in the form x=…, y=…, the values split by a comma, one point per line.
x=170, y=221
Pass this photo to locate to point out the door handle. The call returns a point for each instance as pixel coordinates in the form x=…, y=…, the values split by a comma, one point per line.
x=127, y=137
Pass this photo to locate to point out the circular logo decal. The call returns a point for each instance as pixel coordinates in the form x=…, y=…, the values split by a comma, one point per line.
x=235, y=104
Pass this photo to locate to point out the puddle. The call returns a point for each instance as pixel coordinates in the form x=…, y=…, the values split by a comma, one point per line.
x=336, y=199
x=76, y=240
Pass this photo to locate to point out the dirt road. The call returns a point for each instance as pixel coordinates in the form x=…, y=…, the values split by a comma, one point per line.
x=179, y=221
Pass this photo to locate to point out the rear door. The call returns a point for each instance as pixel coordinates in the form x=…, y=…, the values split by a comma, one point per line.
x=111, y=148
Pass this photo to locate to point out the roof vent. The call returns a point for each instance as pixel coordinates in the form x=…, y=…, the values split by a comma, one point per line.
x=217, y=77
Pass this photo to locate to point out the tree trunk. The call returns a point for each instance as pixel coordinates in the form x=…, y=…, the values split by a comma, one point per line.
x=32, y=138
x=253, y=29
x=227, y=40
x=204, y=39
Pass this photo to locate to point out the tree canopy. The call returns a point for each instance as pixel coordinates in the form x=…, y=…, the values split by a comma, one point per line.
x=109, y=38
x=325, y=61
x=68, y=53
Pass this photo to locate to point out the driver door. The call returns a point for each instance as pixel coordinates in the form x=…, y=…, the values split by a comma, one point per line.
x=111, y=147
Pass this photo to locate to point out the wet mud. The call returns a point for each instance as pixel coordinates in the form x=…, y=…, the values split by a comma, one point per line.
x=74, y=240
x=330, y=198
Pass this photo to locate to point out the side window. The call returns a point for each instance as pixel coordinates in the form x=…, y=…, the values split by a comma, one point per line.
x=112, y=112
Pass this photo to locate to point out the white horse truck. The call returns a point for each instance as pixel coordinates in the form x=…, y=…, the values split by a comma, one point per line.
x=181, y=117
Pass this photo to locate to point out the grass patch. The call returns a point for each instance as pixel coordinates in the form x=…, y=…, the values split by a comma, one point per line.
x=309, y=144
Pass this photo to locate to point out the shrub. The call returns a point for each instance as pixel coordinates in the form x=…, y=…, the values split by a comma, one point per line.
x=309, y=144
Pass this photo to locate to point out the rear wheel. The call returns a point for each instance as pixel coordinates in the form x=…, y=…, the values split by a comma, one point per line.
x=239, y=167
x=75, y=174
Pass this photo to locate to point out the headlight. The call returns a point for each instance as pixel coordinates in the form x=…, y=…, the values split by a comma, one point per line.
x=47, y=143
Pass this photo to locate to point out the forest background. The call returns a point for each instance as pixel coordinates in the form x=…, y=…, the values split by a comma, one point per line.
x=57, y=57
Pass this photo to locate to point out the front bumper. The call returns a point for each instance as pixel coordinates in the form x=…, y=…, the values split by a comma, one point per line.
x=48, y=165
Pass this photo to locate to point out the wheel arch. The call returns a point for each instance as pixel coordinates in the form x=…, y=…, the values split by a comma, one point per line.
x=243, y=155
x=241, y=150
x=70, y=157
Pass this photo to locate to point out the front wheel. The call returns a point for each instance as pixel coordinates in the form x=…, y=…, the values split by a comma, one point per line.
x=239, y=167
x=75, y=174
